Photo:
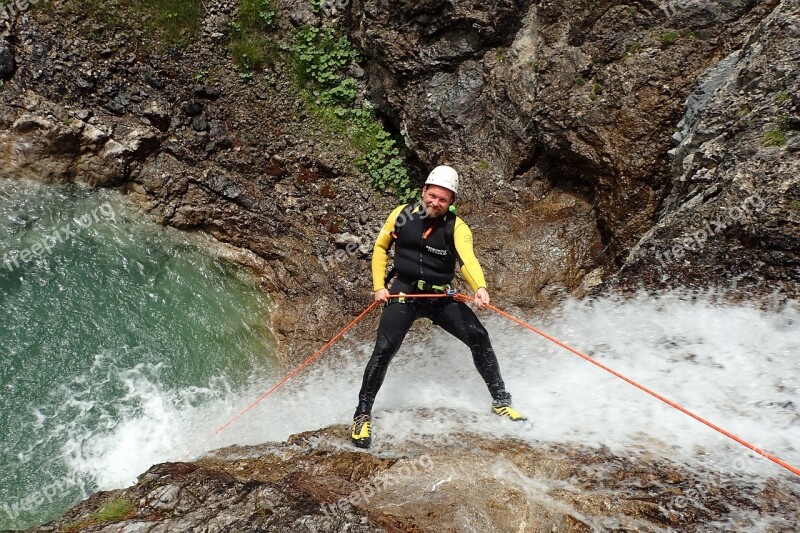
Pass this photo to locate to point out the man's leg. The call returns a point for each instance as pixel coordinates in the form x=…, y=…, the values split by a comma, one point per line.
x=460, y=321
x=396, y=320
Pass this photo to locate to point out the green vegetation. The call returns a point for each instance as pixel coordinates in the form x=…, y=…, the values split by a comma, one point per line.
x=631, y=49
x=321, y=59
x=318, y=57
x=773, y=137
x=247, y=53
x=781, y=97
x=581, y=81
x=112, y=511
x=250, y=46
x=257, y=15
x=116, y=509
x=321, y=56
x=382, y=161
x=596, y=91
x=501, y=54
x=795, y=204
x=669, y=37
x=169, y=22
x=177, y=20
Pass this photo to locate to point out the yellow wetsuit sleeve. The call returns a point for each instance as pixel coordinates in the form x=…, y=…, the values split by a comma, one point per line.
x=380, y=252
x=470, y=268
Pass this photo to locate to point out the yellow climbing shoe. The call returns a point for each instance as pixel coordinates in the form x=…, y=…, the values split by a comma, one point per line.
x=508, y=412
x=362, y=431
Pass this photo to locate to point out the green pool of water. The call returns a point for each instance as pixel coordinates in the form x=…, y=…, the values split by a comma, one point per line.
x=110, y=327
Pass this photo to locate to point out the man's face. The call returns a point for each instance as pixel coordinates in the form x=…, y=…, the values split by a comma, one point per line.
x=436, y=200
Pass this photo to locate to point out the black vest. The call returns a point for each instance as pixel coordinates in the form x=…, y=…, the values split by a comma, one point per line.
x=422, y=250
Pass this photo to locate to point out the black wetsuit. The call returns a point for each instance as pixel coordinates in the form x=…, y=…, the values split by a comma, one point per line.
x=419, y=248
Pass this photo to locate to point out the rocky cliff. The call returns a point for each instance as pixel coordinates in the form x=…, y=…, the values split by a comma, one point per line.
x=566, y=111
x=200, y=143
x=317, y=482
x=562, y=117
x=602, y=144
x=733, y=209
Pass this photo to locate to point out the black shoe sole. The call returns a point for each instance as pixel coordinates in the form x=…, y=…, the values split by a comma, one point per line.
x=362, y=443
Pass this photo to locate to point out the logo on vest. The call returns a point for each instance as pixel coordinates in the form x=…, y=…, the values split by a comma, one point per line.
x=436, y=251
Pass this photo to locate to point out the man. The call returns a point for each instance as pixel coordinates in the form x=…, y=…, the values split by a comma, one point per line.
x=428, y=238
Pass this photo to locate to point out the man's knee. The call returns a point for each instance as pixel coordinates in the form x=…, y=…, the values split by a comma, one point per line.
x=388, y=343
x=478, y=335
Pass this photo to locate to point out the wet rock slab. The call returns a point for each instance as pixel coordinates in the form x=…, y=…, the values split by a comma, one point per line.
x=316, y=481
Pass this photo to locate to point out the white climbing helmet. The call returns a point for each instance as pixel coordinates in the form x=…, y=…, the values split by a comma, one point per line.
x=444, y=176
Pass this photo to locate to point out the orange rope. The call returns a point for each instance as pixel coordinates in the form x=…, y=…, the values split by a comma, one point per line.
x=302, y=366
x=465, y=298
x=728, y=434
x=284, y=380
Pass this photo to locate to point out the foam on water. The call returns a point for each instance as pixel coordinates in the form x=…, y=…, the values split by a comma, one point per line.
x=735, y=365
x=119, y=324
x=142, y=396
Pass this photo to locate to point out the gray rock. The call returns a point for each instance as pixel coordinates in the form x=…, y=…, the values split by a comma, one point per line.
x=192, y=108
x=316, y=482
x=118, y=103
x=84, y=82
x=151, y=79
x=216, y=128
x=93, y=135
x=733, y=184
x=142, y=142
x=113, y=150
x=300, y=13
x=157, y=116
x=28, y=123
x=6, y=60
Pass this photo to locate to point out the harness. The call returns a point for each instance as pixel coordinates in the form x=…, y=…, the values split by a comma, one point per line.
x=425, y=287
x=449, y=228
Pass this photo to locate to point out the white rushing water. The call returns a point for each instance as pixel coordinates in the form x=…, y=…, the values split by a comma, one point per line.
x=129, y=347
x=734, y=364
x=108, y=321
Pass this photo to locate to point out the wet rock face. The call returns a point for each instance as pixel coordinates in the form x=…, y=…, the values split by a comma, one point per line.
x=188, y=497
x=558, y=115
x=6, y=60
x=317, y=482
x=733, y=211
x=578, y=95
x=200, y=148
x=45, y=143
